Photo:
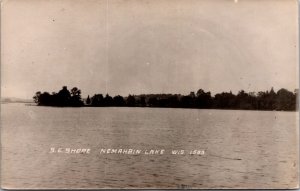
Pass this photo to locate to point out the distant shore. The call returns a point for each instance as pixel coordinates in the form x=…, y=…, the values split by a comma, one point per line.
x=34, y=104
x=282, y=100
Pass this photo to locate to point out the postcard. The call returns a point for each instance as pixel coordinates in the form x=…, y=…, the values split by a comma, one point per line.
x=145, y=94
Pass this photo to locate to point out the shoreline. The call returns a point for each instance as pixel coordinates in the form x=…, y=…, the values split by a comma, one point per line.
x=89, y=106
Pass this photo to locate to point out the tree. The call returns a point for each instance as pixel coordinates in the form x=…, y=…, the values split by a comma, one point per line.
x=203, y=99
x=285, y=100
x=143, y=101
x=243, y=100
x=153, y=102
x=271, y=100
x=36, y=98
x=88, y=100
x=45, y=99
x=75, y=99
x=118, y=101
x=192, y=94
x=75, y=92
x=97, y=100
x=225, y=100
x=200, y=92
x=63, y=97
x=130, y=101
x=173, y=101
x=108, y=100
x=186, y=102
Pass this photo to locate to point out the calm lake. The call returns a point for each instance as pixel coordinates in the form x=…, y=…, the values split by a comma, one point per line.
x=243, y=149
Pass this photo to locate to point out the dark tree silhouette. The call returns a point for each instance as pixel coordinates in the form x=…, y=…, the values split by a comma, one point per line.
x=203, y=99
x=268, y=100
x=153, y=102
x=75, y=99
x=118, y=101
x=187, y=102
x=97, y=100
x=142, y=101
x=130, y=101
x=108, y=100
x=36, y=97
x=63, y=98
x=285, y=100
x=88, y=100
x=224, y=100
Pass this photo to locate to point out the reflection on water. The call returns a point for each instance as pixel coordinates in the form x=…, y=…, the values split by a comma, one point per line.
x=243, y=149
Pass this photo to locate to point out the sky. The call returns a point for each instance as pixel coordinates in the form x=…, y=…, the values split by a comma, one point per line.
x=147, y=46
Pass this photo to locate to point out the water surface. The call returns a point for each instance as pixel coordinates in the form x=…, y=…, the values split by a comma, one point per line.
x=243, y=149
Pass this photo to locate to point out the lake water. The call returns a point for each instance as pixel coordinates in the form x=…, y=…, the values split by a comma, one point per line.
x=243, y=149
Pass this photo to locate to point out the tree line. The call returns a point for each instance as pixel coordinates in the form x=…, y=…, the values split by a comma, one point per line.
x=63, y=98
x=264, y=100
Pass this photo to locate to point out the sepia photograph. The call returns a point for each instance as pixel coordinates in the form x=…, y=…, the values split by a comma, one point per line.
x=146, y=94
